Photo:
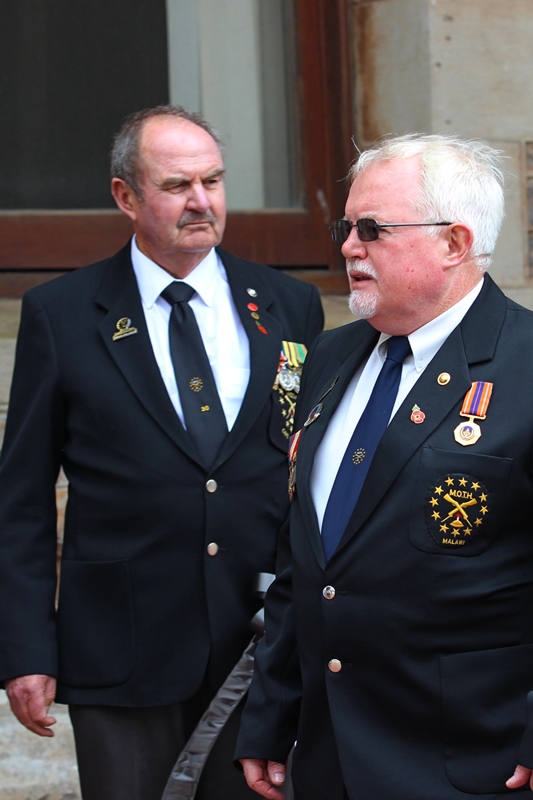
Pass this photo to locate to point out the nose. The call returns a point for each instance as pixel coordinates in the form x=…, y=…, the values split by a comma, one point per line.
x=353, y=247
x=198, y=199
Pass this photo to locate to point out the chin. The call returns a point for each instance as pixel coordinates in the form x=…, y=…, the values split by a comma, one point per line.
x=362, y=305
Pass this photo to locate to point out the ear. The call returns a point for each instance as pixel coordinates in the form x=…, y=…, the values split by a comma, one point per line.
x=460, y=240
x=124, y=197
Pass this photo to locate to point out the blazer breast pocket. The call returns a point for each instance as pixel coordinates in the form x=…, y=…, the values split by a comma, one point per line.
x=95, y=624
x=458, y=501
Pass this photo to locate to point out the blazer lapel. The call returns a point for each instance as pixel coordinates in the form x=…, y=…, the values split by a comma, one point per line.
x=357, y=346
x=264, y=336
x=133, y=353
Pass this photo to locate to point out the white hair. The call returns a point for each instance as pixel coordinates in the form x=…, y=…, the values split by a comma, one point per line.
x=461, y=182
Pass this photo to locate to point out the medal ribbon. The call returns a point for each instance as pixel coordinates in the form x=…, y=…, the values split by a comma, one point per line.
x=294, y=352
x=294, y=441
x=477, y=400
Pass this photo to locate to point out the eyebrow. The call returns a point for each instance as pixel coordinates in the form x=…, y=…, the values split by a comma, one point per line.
x=177, y=179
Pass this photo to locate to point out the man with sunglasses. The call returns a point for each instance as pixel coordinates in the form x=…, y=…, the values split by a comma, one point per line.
x=398, y=652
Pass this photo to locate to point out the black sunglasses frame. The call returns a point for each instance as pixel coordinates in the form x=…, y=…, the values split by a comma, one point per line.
x=368, y=229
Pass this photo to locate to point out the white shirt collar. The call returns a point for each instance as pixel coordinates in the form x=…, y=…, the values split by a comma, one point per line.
x=153, y=279
x=427, y=340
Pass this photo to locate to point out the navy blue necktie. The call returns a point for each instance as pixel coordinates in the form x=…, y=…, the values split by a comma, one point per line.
x=202, y=410
x=362, y=446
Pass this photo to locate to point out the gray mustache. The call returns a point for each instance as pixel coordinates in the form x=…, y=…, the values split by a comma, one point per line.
x=193, y=216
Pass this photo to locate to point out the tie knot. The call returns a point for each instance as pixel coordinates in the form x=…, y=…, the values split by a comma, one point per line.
x=177, y=292
x=398, y=348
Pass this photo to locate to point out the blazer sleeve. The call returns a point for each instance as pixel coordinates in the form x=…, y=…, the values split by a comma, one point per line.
x=270, y=718
x=29, y=466
x=315, y=316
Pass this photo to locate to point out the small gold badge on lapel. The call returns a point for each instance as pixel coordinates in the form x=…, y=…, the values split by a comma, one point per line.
x=124, y=328
x=444, y=378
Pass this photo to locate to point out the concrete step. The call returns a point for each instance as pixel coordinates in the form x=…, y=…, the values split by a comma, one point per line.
x=33, y=767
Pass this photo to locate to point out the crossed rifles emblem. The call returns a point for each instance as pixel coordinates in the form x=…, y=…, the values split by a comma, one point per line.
x=458, y=510
x=454, y=523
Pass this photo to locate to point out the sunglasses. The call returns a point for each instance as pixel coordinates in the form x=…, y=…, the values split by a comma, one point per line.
x=368, y=229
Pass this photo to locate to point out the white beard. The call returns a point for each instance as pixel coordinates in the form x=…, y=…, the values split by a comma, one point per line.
x=362, y=304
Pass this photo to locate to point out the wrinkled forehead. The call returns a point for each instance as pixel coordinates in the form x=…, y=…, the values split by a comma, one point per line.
x=393, y=184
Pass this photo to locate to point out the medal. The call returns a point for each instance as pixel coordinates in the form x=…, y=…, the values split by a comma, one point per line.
x=475, y=406
x=287, y=381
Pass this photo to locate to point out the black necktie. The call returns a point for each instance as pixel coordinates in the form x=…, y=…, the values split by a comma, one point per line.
x=362, y=446
x=202, y=409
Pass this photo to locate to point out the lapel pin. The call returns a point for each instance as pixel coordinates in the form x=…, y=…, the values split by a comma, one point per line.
x=252, y=292
x=314, y=414
x=124, y=328
x=417, y=416
x=444, y=378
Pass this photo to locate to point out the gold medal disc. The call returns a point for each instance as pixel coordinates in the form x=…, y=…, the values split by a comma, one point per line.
x=467, y=432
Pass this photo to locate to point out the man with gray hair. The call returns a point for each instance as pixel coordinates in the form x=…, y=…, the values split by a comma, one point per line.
x=162, y=380
x=398, y=651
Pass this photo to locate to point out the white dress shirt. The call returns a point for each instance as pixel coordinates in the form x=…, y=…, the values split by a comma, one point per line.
x=221, y=329
x=425, y=342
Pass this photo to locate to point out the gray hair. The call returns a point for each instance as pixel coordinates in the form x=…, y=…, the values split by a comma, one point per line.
x=125, y=151
x=461, y=182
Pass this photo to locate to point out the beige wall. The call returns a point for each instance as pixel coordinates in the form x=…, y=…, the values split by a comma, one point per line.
x=455, y=66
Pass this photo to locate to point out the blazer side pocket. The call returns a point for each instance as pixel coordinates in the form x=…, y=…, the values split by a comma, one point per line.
x=96, y=631
x=484, y=713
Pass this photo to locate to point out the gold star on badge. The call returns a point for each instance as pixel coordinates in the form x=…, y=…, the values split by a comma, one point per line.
x=438, y=489
x=449, y=481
